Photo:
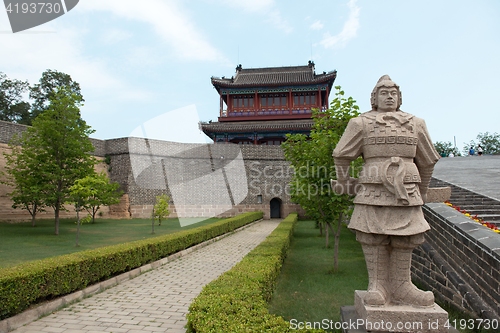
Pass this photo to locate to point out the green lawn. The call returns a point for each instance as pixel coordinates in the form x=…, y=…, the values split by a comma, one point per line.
x=307, y=289
x=20, y=242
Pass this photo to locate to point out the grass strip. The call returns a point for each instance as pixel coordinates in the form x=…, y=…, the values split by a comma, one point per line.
x=308, y=292
x=20, y=242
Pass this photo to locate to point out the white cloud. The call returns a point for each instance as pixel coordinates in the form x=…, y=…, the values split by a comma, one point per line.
x=316, y=26
x=251, y=6
x=266, y=8
x=143, y=57
x=168, y=20
x=27, y=55
x=275, y=18
x=348, y=32
x=114, y=36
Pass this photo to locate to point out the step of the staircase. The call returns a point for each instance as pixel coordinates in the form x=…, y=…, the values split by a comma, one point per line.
x=485, y=208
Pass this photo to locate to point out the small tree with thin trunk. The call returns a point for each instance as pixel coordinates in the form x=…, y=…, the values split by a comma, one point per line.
x=314, y=167
x=96, y=191
x=77, y=196
x=160, y=209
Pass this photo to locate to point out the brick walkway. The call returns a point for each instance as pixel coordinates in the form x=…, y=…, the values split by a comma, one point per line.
x=158, y=300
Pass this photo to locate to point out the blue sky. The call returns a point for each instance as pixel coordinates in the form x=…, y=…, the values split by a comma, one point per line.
x=137, y=60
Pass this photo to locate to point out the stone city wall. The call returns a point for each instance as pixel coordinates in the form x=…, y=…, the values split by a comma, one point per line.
x=7, y=132
x=460, y=262
x=7, y=213
x=246, y=177
x=251, y=175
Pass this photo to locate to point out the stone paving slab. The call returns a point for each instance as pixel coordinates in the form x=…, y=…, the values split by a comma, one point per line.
x=158, y=300
x=480, y=174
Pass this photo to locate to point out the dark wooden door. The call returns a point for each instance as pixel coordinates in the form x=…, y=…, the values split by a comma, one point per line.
x=275, y=208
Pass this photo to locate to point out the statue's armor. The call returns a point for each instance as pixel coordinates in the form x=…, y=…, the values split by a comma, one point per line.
x=399, y=158
x=389, y=175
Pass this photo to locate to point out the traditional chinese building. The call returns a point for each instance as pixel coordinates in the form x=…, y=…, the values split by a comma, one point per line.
x=261, y=105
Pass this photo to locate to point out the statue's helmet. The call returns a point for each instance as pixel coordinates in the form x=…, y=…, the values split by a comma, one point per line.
x=384, y=81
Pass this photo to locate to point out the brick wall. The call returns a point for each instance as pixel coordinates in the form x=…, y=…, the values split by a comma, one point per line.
x=7, y=213
x=141, y=167
x=232, y=178
x=8, y=130
x=460, y=262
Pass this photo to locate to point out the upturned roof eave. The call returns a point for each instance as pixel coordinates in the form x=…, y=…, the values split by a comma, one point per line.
x=304, y=124
x=225, y=83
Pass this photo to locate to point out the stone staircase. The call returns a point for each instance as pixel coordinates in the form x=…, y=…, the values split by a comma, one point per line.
x=484, y=207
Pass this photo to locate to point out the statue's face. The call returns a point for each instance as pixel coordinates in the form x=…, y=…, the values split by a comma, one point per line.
x=387, y=99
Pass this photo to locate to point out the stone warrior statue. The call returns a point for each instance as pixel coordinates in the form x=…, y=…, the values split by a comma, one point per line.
x=399, y=159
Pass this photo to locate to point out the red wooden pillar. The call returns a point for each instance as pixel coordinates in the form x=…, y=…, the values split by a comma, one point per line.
x=326, y=95
x=221, y=105
x=256, y=101
x=320, y=104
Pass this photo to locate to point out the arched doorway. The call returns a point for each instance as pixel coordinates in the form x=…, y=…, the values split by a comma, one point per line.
x=275, y=208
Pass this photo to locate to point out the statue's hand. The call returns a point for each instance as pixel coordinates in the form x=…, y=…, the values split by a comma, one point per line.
x=347, y=186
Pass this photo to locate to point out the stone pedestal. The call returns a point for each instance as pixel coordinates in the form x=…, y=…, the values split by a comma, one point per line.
x=393, y=318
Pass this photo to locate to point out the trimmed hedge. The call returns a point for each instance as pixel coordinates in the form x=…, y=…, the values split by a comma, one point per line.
x=33, y=282
x=238, y=300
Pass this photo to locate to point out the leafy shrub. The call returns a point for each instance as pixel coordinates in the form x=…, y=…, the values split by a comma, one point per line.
x=36, y=281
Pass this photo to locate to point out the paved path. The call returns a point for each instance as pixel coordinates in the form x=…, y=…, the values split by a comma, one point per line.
x=474, y=173
x=158, y=300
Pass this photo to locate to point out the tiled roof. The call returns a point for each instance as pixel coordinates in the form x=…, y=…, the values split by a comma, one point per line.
x=259, y=126
x=273, y=76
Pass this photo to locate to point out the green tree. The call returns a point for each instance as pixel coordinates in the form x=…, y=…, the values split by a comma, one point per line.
x=489, y=142
x=59, y=151
x=95, y=191
x=12, y=106
x=78, y=197
x=160, y=209
x=49, y=84
x=466, y=147
x=21, y=172
x=444, y=148
x=311, y=159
